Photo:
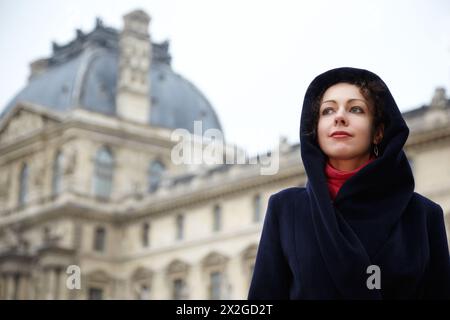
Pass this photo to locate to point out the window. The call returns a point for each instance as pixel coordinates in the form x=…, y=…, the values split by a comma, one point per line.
x=57, y=174
x=146, y=234
x=179, y=289
x=216, y=283
x=155, y=172
x=249, y=257
x=217, y=218
x=99, y=239
x=180, y=227
x=144, y=292
x=46, y=234
x=103, y=173
x=95, y=294
x=257, y=208
x=23, y=187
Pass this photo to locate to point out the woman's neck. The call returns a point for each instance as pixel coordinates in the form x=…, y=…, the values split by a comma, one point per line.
x=349, y=164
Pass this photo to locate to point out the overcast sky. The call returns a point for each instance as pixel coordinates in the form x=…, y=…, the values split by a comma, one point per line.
x=253, y=60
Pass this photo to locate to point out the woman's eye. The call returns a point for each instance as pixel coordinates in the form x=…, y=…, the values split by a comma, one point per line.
x=326, y=111
x=359, y=109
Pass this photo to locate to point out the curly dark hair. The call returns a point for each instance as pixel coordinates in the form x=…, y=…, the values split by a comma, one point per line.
x=372, y=91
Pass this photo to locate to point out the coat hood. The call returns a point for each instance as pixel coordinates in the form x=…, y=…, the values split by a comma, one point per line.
x=354, y=230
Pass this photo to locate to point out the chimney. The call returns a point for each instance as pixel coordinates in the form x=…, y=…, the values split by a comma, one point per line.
x=37, y=67
x=135, y=51
x=439, y=99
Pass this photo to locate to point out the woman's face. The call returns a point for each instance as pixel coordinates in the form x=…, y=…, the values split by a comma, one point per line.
x=344, y=108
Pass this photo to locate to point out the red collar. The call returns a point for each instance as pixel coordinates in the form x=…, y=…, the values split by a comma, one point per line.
x=336, y=178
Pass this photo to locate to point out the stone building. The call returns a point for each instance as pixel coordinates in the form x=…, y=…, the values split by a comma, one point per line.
x=87, y=181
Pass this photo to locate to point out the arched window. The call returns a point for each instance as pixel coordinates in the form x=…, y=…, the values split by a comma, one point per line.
x=103, y=173
x=179, y=289
x=215, y=265
x=216, y=286
x=57, y=173
x=248, y=260
x=155, y=172
x=177, y=273
x=23, y=186
x=99, y=239
x=144, y=293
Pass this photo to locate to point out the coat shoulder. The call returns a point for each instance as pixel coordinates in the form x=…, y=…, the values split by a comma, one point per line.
x=434, y=212
x=291, y=193
x=288, y=201
x=426, y=203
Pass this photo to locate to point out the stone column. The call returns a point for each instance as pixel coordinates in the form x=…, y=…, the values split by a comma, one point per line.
x=9, y=286
x=49, y=292
x=237, y=278
x=161, y=287
x=2, y=287
x=25, y=287
x=197, y=282
x=57, y=288
x=63, y=290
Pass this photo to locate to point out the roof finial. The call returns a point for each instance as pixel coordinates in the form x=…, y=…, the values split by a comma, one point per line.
x=98, y=23
x=80, y=33
x=55, y=46
x=439, y=98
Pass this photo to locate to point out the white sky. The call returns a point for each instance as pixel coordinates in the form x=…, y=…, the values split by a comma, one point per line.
x=253, y=60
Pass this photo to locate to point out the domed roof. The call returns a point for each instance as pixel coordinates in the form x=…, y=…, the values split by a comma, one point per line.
x=84, y=74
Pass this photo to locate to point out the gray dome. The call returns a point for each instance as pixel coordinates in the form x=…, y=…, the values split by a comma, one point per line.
x=83, y=74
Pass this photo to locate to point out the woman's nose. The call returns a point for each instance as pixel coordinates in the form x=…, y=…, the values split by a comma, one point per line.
x=340, y=117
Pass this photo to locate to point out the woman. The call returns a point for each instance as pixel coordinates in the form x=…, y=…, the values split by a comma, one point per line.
x=357, y=230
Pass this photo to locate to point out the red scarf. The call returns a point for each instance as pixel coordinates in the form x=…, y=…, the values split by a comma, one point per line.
x=336, y=178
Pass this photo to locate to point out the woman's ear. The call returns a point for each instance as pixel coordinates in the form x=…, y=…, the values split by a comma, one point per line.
x=379, y=134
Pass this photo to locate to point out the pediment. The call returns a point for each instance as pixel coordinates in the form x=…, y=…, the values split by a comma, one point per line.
x=24, y=120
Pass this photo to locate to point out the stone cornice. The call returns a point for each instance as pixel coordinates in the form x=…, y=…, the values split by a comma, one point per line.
x=418, y=139
x=93, y=122
x=227, y=186
x=123, y=211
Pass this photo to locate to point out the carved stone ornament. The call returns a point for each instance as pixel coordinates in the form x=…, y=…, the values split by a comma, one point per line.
x=38, y=171
x=23, y=123
x=5, y=180
x=70, y=161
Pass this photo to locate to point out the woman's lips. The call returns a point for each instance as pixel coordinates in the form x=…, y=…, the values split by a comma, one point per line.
x=340, y=136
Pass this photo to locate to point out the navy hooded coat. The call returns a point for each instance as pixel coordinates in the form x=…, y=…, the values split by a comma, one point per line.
x=314, y=248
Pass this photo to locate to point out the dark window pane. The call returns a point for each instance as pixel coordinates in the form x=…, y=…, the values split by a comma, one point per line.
x=179, y=289
x=217, y=219
x=154, y=175
x=23, y=191
x=99, y=239
x=57, y=174
x=216, y=283
x=103, y=174
x=95, y=294
x=146, y=234
x=180, y=227
x=257, y=208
